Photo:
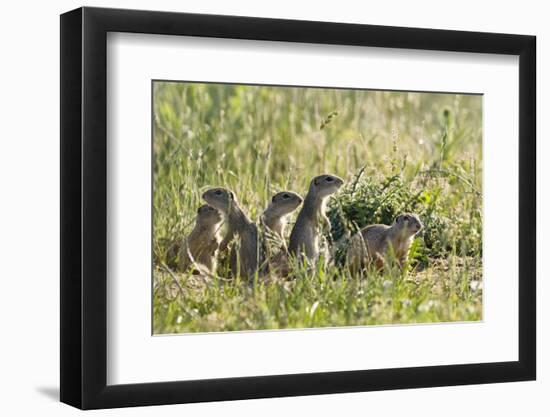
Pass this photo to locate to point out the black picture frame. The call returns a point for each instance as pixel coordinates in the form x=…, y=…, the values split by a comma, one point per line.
x=84, y=207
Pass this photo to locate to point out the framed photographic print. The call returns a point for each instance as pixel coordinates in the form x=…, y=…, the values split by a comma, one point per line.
x=257, y=207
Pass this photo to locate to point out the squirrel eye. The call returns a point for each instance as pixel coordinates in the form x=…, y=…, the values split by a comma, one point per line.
x=286, y=196
x=218, y=192
x=329, y=179
x=406, y=218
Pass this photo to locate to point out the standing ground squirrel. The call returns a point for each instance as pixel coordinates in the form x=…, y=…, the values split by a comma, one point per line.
x=201, y=246
x=304, y=239
x=273, y=221
x=248, y=254
x=372, y=242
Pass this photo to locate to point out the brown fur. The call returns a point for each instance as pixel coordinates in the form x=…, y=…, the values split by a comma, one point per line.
x=373, y=242
x=304, y=239
x=201, y=246
x=274, y=221
x=275, y=216
x=246, y=256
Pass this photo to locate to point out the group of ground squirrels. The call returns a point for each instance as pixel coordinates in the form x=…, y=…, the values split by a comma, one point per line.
x=259, y=249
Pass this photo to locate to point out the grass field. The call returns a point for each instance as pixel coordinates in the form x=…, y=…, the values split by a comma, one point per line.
x=397, y=152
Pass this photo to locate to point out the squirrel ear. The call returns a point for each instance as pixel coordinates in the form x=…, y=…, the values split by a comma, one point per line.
x=273, y=199
x=316, y=181
x=398, y=219
x=231, y=195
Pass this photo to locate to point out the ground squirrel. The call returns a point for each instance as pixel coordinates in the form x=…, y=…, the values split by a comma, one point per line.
x=201, y=246
x=273, y=221
x=304, y=239
x=275, y=216
x=247, y=254
x=372, y=242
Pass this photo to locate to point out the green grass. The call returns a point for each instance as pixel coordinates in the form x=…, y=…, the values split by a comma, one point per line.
x=397, y=152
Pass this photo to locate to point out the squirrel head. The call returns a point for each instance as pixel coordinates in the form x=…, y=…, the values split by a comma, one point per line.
x=325, y=185
x=409, y=222
x=208, y=215
x=284, y=202
x=219, y=198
